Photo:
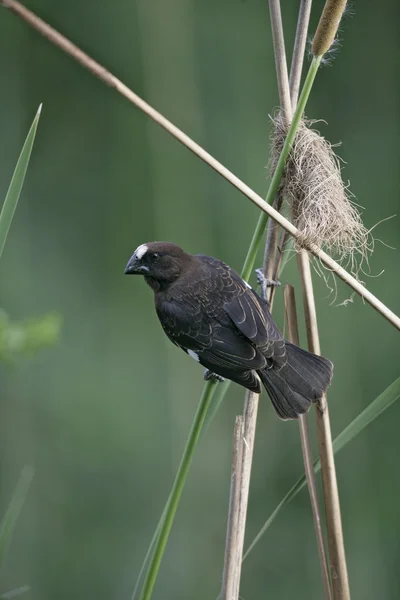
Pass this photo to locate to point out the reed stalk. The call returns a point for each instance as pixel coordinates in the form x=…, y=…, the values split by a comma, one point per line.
x=293, y=336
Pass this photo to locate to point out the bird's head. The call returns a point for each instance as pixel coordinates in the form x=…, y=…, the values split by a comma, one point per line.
x=161, y=263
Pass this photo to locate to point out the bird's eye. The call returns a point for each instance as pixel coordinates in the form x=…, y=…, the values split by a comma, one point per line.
x=155, y=256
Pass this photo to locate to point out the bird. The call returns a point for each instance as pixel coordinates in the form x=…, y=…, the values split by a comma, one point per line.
x=208, y=310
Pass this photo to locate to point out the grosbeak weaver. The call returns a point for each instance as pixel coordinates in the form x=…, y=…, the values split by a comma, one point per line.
x=210, y=312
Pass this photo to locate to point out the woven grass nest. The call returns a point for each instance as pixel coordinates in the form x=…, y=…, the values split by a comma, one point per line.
x=320, y=203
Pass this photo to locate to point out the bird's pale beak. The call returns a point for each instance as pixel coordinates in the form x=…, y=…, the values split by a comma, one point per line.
x=135, y=267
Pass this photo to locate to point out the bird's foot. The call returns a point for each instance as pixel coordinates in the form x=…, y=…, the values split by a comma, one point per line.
x=210, y=376
x=263, y=281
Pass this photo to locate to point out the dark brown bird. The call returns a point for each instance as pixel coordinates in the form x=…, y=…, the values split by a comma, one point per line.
x=210, y=312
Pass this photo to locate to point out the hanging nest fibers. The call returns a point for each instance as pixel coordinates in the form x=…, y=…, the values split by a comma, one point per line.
x=320, y=203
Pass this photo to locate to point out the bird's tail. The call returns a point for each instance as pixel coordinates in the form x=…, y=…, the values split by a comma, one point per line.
x=300, y=382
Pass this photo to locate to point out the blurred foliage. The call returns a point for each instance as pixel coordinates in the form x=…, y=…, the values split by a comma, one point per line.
x=104, y=416
x=27, y=337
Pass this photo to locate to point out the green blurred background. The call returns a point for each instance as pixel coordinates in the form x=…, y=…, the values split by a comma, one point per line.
x=103, y=416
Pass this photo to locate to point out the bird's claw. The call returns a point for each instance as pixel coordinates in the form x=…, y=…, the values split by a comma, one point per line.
x=210, y=376
x=263, y=281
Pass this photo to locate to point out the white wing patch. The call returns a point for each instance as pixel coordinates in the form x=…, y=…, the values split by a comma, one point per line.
x=193, y=355
x=248, y=285
x=141, y=251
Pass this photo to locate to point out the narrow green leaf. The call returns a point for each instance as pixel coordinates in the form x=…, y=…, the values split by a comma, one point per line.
x=160, y=539
x=10, y=518
x=367, y=416
x=149, y=554
x=216, y=401
x=17, y=181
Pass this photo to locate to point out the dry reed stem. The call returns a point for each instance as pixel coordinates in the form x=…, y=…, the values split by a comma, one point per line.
x=271, y=250
x=293, y=336
x=250, y=419
x=296, y=69
x=230, y=581
x=272, y=237
x=337, y=557
x=298, y=50
x=350, y=231
x=238, y=503
x=272, y=259
x=239, y=499
x=107, y=78
x=280, y=59
x=273, y=228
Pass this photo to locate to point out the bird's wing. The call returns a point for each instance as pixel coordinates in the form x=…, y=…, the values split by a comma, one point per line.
x=230, y=350
x=249, y=313
x=221, y=346
x=220, y=318
x=251, y=316
x=185, y=324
